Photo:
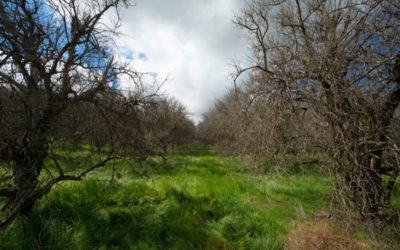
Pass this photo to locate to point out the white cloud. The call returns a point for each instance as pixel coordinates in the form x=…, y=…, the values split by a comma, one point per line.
x=192, y=41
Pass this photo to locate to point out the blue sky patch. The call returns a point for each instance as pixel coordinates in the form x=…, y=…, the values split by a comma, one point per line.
x=129, y=55
x=142, y=56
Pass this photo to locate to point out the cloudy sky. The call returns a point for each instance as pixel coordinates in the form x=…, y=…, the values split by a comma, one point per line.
x=192, y=42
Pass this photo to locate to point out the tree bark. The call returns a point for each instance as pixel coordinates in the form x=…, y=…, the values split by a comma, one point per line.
x=27, y=168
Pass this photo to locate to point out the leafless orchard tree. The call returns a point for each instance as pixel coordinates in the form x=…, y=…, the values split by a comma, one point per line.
x=219, y=125
x=159, y=124
x=57, y=65
x=254, y=121
x=341, y=59
x=167, y=125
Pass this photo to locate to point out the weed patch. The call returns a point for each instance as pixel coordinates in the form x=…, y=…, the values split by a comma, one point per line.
x=195, y=202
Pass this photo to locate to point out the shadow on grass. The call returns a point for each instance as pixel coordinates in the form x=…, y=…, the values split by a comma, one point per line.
x=135, y=216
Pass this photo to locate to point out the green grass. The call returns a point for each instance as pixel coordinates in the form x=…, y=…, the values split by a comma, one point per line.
x=194, y=201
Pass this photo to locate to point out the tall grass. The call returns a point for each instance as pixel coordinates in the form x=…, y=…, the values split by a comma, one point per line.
x=195, y=201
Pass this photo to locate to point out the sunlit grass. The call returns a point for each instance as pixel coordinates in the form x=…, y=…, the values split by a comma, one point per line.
x=198, y=201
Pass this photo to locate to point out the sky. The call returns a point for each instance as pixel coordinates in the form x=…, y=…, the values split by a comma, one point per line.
x=192, y=42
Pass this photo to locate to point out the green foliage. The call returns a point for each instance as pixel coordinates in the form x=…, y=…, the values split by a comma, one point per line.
x=193, y=202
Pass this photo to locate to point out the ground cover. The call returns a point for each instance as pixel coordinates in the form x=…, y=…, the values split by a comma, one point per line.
x=195, y=200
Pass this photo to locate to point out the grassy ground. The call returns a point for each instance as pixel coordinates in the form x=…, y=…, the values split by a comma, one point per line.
x=195, y=201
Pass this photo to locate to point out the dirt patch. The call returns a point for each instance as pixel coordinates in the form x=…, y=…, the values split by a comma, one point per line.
x=258, y=204
x=322, y=235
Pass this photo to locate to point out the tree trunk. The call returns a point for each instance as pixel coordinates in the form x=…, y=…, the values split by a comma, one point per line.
x=27, y=170
x=368, y=187
x=374, y=190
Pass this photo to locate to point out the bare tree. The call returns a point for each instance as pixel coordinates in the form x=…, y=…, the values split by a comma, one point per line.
x=168, y=124
x=340, y=58
x=254, y=121
x=55, y=59
x=164, y=124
